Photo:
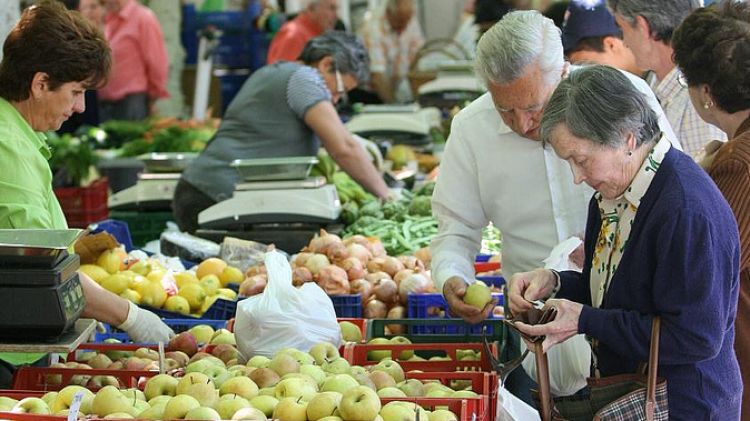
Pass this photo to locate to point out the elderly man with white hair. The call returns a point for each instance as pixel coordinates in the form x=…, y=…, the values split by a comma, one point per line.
x=314, y=18
x=495, y=169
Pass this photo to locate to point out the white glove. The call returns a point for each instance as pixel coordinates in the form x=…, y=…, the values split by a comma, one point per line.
x=144, y=326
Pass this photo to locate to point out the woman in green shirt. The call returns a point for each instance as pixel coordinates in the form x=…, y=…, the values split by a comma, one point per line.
x=50, y=58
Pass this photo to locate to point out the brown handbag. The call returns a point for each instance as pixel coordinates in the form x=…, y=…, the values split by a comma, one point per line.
x=622, y=397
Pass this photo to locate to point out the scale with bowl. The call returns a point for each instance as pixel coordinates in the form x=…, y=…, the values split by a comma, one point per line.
x=155, y=187
x=42, y=294
x=396, y=124
x=275, y=202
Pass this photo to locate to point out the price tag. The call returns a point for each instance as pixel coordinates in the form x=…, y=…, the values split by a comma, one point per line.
x=75, y=406
x=54, y=358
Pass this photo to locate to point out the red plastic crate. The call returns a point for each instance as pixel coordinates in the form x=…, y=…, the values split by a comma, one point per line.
x=480, y=267
x=356, y=354
x=35, y=378
x=466, y=409
x=84, y=205
x=484, y=384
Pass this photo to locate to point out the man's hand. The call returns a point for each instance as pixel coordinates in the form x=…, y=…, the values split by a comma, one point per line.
x=525, y=287
x=559, y=330
x=144, y=326
x=454, y=291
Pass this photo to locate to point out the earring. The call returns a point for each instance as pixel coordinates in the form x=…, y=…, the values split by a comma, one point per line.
x=708, y=105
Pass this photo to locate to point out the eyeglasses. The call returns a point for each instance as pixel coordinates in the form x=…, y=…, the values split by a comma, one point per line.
x=340, y=88
x=682, y=80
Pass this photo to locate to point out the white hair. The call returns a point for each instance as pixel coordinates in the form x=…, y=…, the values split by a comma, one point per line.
x=518, y=40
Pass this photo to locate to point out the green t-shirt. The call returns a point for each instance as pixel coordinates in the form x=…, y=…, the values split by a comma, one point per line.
x=26, y=196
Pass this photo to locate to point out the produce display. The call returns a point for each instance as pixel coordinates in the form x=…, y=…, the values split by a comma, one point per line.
x=147, y=282
x=134, y=138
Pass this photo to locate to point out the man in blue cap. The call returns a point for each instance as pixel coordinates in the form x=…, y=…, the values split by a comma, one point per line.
x=590, y=35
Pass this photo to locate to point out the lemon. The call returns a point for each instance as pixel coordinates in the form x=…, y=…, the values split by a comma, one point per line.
x=210, y=284
x=116, y=283
x=227, y=293
x=94, y=272
x=152, y=293
x=131, y=295
x=194, y=294
x=210, y=266
x=111, y=260
x=156, y=275
x=183, y=278
x=231, y=275
x=177, y=304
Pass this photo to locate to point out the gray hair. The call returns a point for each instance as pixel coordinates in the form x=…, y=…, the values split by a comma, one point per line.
x=663, y=16
x=348, y=53
x=600, y=104
x=519, y=39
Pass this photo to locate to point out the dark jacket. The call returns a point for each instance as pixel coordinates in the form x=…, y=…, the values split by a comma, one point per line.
x=681, y=263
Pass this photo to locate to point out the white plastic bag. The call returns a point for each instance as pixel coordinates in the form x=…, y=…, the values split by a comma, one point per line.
x=570, y=361
x=511, y=408
x=284, y=316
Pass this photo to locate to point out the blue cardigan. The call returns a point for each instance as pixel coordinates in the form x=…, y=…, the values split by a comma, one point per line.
x=682, y=263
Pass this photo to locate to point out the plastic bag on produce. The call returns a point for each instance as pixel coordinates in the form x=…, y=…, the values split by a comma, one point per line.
x=511, y=408
x=284, y=316
x=570, y=361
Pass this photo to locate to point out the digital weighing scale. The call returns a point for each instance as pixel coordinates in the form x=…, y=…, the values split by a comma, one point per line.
x=39, y=283
x=396, y=124
x=155, y=187
x=454, y=85
x=275, y=203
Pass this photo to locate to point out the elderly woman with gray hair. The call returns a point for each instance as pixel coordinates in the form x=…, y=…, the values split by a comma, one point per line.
x=660, y=241
x=284, y=109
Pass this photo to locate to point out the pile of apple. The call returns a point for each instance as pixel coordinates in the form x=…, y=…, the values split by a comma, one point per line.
x=293, y=385
x=147, y=282
x=409, y=355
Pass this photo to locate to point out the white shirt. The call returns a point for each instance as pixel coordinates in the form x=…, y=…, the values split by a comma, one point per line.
x=490, y=173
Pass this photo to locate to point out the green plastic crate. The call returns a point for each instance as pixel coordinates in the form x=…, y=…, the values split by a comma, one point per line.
x=143, y=226
x=453, y=330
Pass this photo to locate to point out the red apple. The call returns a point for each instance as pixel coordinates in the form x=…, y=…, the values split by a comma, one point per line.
x=184, y=342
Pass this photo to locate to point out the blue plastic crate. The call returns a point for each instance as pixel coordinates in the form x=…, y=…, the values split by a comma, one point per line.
x=178, y=325
x=220, y=310
x=483, y=258
x=417, y=308
x=347, y=305
x=118, y=229
x=492, y=281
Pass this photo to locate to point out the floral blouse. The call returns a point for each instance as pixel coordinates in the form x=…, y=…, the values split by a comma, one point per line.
x=617, y=219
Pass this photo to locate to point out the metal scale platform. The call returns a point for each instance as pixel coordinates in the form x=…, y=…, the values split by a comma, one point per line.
x=155, y=187
x=455, y=85
x=42, y=294
x=396, y=124
x=275, y=203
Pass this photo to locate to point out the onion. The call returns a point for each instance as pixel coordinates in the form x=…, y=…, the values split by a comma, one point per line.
x=337, y=252
x=356, y=239
x=397, y=312
x=416, y=283
x=385, y=290
x=392, y=266
x=401, y=275
x=253, y=285
x=374, y=277
x=376, y=265
x=360, y=252
x=300, y=259
x=353, y=267
x=376, y=247
x=411, y=262
x=321, y=242
x=333, y=280
x=375, y=309
x=361, y=287
x=255, y=270
x=316, y=262
x=425, y=256
x=300, y=275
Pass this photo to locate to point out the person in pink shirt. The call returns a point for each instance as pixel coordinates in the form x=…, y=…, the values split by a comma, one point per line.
x=316, y=18
x=139, y=62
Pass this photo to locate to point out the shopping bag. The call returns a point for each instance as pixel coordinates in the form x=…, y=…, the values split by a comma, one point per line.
x=284, y=316
x=511, y=408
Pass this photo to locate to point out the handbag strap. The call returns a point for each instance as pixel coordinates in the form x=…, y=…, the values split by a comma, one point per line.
x=546, y=404
x=653, y=366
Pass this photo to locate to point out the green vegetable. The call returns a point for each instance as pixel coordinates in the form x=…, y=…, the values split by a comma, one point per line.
x=427, y=189
x=71, y=161
x=349, y=212
x=421, y=206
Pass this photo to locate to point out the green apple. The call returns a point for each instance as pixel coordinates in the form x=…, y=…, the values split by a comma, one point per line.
x=391, y=367
x=249, y=414
x=364, y=380
x=202, y=333
x=159, y=385
x=391, y=392
x=109, y=400
x=400, y=340
x=134, y=394
x=322, y=405
x=258, y=361
x=412, y=387
x=163, y=399
x=100, y=361
x=147, y=353
x=243, y=370
x=178, y=406
x=478, y=295
x=380, y=354
x=199, y=386
x=323, y=352
x=31, y=406
x=284, y=364
x=116, y=355
x=216, y=372
x=7, y=403
x=357, y=369
x=229, y=404
x=202, y=413
x=464, y=394
x=118, y=416
x=189, y=379
x=337, y=366
x=443, y=415
x=241, y=386
x=66, y=395
x=360, y=403
x=291, y=409
x=314, y=371
x=350, y=332
x=338, y=383
x=381, y=379
x=264, y=377
x=265, y=403
x=267, y=391
x=295, y=388
x=398, y=411
x=302, y=357
x=140, y=406
x=223, y=336
x=155, y=412
x=331, y=418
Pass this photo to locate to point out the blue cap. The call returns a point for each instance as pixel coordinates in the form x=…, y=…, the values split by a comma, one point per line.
x=587, y=18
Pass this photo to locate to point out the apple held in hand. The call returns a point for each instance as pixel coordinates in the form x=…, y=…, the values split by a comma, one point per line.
x=478, y=295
